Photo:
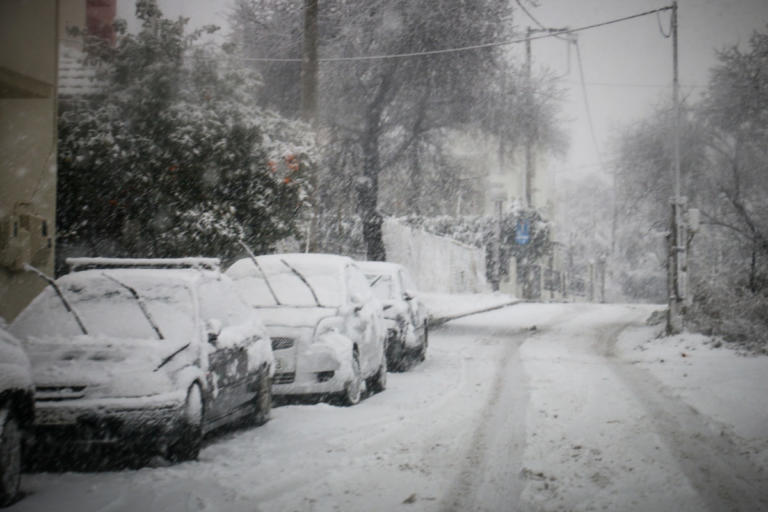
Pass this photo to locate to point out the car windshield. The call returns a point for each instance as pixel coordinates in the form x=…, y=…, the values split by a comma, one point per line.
x=383, y=286
x=108, y=309
x=324, y=277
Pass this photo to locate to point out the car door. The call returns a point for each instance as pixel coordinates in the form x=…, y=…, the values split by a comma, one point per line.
x=366, y=319
x=416, y=311
x=228, y=376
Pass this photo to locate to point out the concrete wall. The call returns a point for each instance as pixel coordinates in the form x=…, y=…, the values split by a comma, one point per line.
x=437, y=264
x=28, y=70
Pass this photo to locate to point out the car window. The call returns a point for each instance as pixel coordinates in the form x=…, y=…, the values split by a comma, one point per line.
x=108, y=309
x=357, y=284
x=219, y=300
x=383, y=286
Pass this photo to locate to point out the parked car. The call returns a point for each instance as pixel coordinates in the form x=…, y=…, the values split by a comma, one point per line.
x=149, y=353
x=16, y=412
x=405, y=315
x=327, y=334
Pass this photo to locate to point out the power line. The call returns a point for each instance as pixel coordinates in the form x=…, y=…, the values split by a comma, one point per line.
x=586, y=103
x=462, y=48
x=636, y=85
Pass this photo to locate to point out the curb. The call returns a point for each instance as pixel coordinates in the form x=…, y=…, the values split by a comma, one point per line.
x=434, y=322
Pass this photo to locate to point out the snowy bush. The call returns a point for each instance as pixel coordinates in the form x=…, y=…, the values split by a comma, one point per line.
x=175, y=157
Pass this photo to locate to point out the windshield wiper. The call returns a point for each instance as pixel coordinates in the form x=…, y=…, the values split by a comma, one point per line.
x=56, y=288
x=140, y=302
x=174, y=354
x=256, y=262
x=304, y=280
x=376, y=280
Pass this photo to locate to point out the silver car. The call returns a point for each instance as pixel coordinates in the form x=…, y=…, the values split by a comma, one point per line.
x=405, y=315
x=322, y=316
x=16, y=412
x=144, y=354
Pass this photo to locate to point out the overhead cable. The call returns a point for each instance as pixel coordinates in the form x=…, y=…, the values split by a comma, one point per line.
x=462, y=48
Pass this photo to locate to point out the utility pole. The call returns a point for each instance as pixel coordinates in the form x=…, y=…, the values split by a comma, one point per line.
x=309, y=69
x=678, y=258
x=309, y=63
x=529, y=138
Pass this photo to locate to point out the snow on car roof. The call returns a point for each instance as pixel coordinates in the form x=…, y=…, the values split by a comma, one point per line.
x=307, y=261
x=379, y=266
x=323, y=273
x=187, y=275
x=80, y=264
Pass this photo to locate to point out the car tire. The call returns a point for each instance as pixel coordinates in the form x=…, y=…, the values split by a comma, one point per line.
x=423, y=350
x=353, y=389
x=378, y=382
x=187, y=445
x=263, y=400
x=10, y=458
x=396, y=354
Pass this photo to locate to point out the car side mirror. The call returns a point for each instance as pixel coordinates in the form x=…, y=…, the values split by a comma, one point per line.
x=386, y=306
x=407, y=296
x=213, y=328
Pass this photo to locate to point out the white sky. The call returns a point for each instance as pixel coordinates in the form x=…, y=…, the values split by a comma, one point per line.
x=636, y=58
x=627, y=66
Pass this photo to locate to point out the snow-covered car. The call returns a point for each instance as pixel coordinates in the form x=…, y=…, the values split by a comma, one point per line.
x=148, y=354
x=405, y=316
x=16, y=412
x=327, y=334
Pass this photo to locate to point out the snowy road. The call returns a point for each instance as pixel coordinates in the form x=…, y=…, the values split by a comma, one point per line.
x=500, y=417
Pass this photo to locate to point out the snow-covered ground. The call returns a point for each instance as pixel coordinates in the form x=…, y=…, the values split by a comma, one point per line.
x=532, y=407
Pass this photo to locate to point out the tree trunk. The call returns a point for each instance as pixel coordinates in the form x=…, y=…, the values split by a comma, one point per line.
x=414, y=204
x=368, y=193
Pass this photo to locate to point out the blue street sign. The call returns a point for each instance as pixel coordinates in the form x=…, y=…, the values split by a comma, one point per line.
x=523, y=232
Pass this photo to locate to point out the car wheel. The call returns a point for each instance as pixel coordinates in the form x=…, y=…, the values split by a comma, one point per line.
x=353, y=388
x=378, y=382
x=187, y=445
x=263, y=400
x=396, y=354
x=10, y=458
x=423, y=351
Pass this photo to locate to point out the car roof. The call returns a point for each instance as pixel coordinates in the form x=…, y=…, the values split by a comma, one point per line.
x=308, y=258
x=186, y=276
x=379, y=266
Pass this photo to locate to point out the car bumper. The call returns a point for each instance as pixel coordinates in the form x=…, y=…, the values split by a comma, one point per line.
x=110, y=421
x=320, y=370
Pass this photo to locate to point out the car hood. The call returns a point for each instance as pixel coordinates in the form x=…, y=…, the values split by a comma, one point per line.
x=102, y=366
x=287, y=316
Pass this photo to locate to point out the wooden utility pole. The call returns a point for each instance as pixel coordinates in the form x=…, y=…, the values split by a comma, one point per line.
x=309, y=63
x=677, y=260
x=530, y=168
x=309, y=106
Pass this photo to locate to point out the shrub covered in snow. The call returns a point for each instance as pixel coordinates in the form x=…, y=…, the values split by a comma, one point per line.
x=174, y=157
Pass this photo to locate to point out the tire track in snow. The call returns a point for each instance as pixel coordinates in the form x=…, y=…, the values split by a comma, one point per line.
x=709, y=458
x=489, y=477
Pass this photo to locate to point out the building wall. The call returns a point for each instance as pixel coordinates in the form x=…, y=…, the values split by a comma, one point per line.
x=28, y=75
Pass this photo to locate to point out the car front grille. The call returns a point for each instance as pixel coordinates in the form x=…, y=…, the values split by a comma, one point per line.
x=280, y=342
x=58, y=393
x=284, y=378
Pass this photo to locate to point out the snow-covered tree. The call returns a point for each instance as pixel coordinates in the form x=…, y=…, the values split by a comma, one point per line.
x=175, y=156
x=724, y=164
x=388, y=122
